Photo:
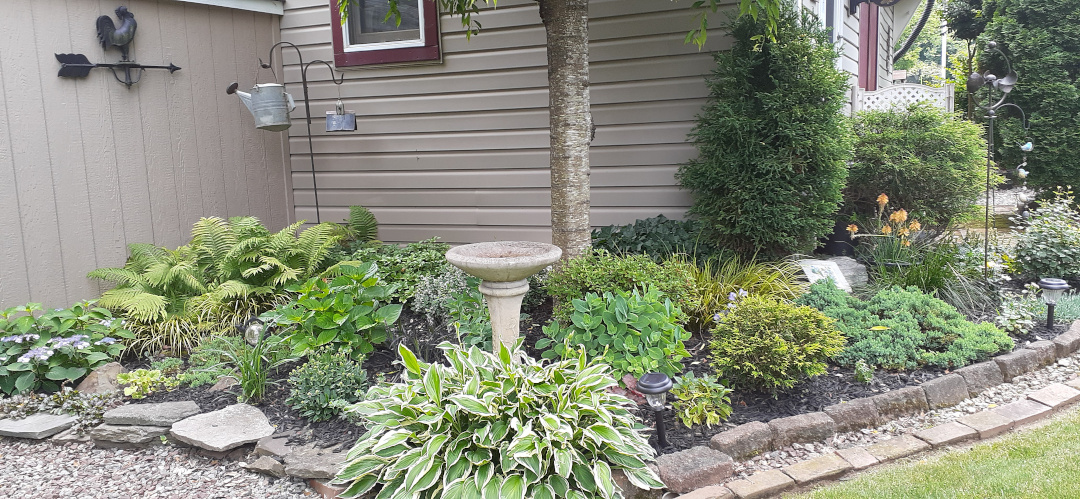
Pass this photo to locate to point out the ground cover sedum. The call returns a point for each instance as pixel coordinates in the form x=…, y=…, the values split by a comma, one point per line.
x=1036, y=462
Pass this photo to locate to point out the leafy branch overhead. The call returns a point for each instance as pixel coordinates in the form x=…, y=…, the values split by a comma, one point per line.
x=756, y=9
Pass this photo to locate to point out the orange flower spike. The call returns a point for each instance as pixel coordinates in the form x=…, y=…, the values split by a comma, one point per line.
x=898, y=216
x=903, y=232
x=882, y=200
x=915, y=226
x=852, y=228
x=905, y=242
x=886, y=230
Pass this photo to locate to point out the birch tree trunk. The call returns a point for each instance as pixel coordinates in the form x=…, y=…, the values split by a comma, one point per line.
x=567, y=25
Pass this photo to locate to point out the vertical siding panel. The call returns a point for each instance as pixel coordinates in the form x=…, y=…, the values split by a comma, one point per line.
x=156, y=130
x=96, y=140
x=14, y=286
x=182, y=121
x=205, y=104
x=30, y=157
x=225, y=70
x=251, y=168
x=60, y=111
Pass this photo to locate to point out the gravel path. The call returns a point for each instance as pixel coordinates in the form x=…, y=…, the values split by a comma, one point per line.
x=46, y=470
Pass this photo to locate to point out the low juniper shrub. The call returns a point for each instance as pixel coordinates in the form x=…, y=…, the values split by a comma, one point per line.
x=904, y=328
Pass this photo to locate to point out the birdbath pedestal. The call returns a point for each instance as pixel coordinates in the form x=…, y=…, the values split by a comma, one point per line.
x=504, y=268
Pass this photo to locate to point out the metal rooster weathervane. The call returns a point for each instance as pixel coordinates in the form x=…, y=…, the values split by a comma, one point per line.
x=79, y=66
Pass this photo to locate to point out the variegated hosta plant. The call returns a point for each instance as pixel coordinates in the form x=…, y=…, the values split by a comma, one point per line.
x=496, y=426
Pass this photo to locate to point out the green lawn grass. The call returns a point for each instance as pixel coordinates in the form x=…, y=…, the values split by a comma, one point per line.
x=1040, y=463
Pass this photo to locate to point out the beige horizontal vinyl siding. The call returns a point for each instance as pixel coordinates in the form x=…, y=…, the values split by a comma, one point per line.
x=459, y=149
x=88, y=166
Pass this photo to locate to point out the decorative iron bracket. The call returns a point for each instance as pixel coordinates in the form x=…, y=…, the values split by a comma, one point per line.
x=79, y=66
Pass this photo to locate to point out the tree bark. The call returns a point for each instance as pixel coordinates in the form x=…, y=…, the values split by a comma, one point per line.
x=567, y=25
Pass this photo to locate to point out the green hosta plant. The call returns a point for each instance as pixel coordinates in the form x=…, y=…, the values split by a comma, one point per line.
x=348, y=313
x=42, y=353
x=325, y=378
x=634, y=332
x=700, y=401
x=492, y=426
x=142, y=382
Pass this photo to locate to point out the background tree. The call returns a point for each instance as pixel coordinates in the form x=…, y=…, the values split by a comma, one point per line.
x=1042, y=39
x=772, y=144
x=566, y=23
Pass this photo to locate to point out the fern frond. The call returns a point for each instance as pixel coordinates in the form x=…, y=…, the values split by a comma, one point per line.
x=122, y=277
x=212, y=239
x=362, y=225
x=136, y=303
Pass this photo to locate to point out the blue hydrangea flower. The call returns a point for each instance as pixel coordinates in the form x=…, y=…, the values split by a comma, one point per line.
x=105, y=341
x=19, y=338
x=40, y=353
x=77, y=341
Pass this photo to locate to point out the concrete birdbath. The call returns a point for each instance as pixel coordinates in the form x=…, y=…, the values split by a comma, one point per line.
x=503, y=268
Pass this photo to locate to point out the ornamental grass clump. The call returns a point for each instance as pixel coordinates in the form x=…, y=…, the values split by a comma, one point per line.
x=501, y=426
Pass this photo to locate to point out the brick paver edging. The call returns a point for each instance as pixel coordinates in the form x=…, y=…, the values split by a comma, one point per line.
x=755, y=438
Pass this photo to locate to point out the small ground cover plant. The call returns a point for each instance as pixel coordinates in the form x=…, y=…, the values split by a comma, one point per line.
x=251, y=364
x=349, y=313
x=326, y=377
x=633, y=332
x=404, y=267
x=487, y=425
x=659, y=237
x=140, y=383
x=767, y=344
x=904, y=328
x=600, y=272
x=700, y=401
x=57, y=348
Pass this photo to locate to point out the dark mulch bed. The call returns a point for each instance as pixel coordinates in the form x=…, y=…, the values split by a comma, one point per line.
x=808, y=396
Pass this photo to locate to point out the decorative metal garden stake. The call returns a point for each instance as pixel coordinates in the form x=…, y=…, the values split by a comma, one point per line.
x=1004, y=85
x=1052, y=289
x=655, y=387
x=79, y=66
x=307, y=106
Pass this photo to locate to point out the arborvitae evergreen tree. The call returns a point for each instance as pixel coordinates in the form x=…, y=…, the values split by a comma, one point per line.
x=772, y=143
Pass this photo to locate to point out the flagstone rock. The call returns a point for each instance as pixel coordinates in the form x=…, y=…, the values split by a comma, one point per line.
x=224, y=383
x=307, y=462
x=273, y=446
x=128, y=434
x=102, y=379
x=36, y=426
x=266, y=465
x=161, y=414
x=223, y=429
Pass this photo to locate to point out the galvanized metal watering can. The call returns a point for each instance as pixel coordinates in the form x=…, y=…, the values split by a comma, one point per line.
x=269, y=103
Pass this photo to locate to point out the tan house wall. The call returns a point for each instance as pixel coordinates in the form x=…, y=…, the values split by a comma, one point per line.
x=88, y=166
x=459, y=149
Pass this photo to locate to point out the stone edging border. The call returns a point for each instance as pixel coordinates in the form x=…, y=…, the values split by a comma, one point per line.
x=696, y=473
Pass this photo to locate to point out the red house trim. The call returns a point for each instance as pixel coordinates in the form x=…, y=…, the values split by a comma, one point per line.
x=428, y=52
x=868, y=46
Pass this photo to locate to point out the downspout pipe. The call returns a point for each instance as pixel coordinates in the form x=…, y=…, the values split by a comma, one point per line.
x=915, y=32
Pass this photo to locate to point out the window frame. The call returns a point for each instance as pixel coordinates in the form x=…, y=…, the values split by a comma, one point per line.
x=430, y=51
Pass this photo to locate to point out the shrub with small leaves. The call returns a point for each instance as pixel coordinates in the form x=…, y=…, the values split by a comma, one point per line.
x=634, y=332
x=768, y=344
x=405, y=266
x=487, y=425
x=600, y=272
x=470, y=316
x=142, y=382
x=326, y=377
x=700, y=401
x=1049, y=242
x=658, y=237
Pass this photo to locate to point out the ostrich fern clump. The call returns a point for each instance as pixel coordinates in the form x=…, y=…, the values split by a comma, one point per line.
x=772, y=144
x=229, y=271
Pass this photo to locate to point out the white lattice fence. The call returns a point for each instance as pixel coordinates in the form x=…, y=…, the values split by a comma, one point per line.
x=901, y=95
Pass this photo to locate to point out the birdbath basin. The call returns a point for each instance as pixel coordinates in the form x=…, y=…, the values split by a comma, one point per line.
x=503, y=268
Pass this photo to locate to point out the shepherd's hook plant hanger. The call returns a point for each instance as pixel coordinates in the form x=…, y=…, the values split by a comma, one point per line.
x=307, y=106
x=1003, y=85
